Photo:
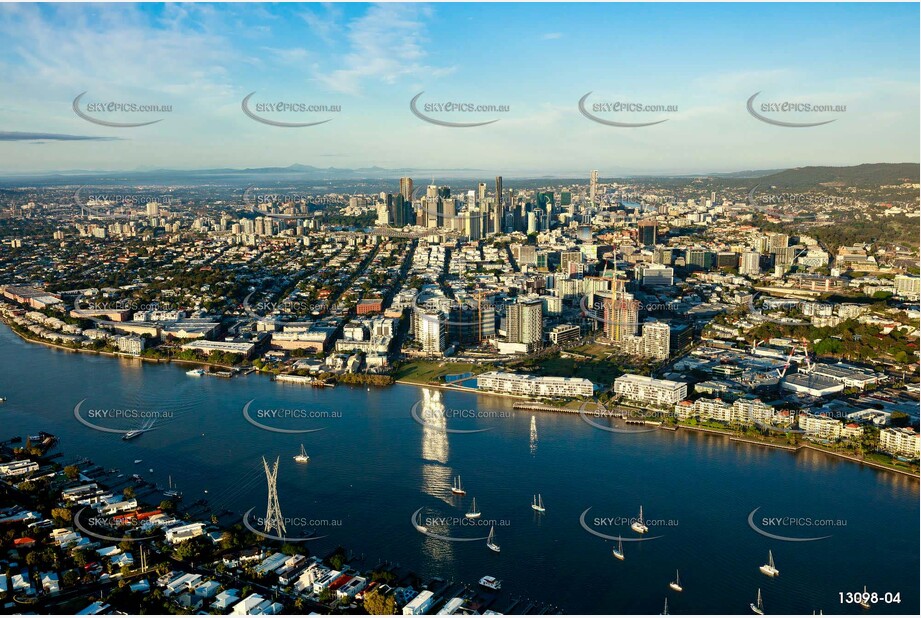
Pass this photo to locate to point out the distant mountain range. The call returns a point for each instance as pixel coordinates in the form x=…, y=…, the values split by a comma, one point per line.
x=866, y=175
x=870, y=174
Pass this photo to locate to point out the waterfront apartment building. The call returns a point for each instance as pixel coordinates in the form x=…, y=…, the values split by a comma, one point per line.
x=430, y=330
x=525, y=322
x=901, y=441
x=534, y=386
x=743, y=411
x=650, y=391
x=820, y=426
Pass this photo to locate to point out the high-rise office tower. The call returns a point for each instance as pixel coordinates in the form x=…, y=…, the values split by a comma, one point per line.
x=647, y=232
x=406, y=189
x=481, y=192
x=593, y=187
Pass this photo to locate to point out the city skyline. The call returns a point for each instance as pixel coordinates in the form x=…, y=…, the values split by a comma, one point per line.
x=202, y=61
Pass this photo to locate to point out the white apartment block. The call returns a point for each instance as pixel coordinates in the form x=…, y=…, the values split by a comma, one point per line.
x=900, y=441
x=534, y=386
x=643, y=389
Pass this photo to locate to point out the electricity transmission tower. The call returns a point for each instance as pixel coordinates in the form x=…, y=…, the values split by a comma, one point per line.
x=273, y=519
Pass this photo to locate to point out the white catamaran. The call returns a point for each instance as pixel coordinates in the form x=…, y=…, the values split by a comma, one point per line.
x=491, y=540
x=769, y=569
x=538, y=504
x=619, y=550
x=638, y=525
x=457, y=488
x=473, y=513
x=676, y=585
x=757, y=607
x=302, y=457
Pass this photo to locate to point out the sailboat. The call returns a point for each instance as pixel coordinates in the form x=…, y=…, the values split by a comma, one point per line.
x=769, y=569
x=638, y=525
x=538, y=504
x=172, y=493
x=665, y=611
x=864, y=599
x=619, y=550
x=491, y=540
x=676, y=585
x=757, y=607
x=473, y=513
x=302, y=457
x=457, y=488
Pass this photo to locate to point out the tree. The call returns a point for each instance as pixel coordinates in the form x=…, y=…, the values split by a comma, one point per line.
x=69, y=578
x=128, y=493
x=62, y=514
x=378, y=604
x=72, y=472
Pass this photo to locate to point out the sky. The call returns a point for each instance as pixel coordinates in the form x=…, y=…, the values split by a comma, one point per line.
x=701, y=61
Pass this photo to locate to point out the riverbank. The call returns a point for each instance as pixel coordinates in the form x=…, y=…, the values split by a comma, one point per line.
x=58, y=346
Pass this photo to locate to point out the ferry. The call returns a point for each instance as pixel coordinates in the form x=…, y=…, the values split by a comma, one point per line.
x=488, y=581
x=195, y=373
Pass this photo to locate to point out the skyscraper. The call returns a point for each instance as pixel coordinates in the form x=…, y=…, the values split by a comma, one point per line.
x=647, y=232
x=525, y=321
x=498, y=208
x=406, y=188
x=593, y=187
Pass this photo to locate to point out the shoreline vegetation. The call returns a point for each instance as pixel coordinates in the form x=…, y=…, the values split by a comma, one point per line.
x=420, y=374
x=734, y=436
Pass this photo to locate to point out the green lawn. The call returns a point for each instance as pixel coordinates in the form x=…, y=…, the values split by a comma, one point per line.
x=427, y=372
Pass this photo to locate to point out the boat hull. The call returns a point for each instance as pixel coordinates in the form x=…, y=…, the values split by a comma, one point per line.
x=639, y=528
x=769, y=571
x=618, y=555
x=755, y=609
x=676, y=587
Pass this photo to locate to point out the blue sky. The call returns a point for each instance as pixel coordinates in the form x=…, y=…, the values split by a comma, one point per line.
x=538, y=59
